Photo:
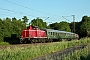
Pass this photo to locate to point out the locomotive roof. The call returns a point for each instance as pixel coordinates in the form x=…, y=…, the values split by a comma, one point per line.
x=51, y=30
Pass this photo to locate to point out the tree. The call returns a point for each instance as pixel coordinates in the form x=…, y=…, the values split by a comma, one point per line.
x=85, y=26
x=38, y=22
x=17, y=26
x=60, y=26
x=54, y=26
x=25, y=19
x=77, y=27
x=10, y=26
x=8, y=19
x=14, y=19
x=64, y=26
x=1, y=30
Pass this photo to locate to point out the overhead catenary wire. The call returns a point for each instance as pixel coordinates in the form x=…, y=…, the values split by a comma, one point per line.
x=31, y=8
x=5, y=14
x=66, y=19
x=26, y=14
x=9, y=10
x=34, y=9
x=16, y=12
x=26, y=7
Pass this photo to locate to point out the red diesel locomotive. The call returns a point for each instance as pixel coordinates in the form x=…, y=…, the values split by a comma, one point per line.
x=32, y=34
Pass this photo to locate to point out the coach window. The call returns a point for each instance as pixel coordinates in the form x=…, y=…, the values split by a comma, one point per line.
x=56, y=34
x=65, y=34
x=51, y=33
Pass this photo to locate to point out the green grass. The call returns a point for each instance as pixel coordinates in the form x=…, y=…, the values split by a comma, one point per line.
x=4, y=43
x=24, y=53
x=83, y=54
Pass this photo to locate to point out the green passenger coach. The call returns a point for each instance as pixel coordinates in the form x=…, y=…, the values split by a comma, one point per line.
x=56, y=34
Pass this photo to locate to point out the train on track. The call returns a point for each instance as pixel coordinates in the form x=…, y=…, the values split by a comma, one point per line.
x=34, y=34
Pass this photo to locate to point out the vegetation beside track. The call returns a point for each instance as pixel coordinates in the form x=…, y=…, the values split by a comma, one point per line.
x=83, y=54
x=4, y=43
x=24, y=53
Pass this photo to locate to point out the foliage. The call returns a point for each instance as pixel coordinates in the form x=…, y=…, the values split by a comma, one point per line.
x=29, y=52
x=85, y=26
x=54, y=26
x=61, y=26
x=10, y=26
x=38, y=22
x=4, y=43
x=83, y=54
x=14, y=26
x=77, y=27
x=25, y=19
x=82, y=28
x=64, y=26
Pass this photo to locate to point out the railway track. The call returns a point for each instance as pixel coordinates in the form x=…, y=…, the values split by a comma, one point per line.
x=21, y=45
x=60, y=54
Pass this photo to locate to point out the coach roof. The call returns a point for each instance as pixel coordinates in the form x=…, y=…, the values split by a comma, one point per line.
x=58, y=31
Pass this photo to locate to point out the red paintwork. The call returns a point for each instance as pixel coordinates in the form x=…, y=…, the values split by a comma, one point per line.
x=33, y=32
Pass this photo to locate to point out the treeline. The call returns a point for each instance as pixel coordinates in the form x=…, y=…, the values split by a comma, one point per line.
x=9, y=26
x=82, y=28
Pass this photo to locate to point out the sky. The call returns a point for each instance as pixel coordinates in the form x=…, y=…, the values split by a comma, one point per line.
x=50, y=11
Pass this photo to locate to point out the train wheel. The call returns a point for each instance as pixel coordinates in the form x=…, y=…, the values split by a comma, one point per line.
x=50, y=40
x=31, y=41
x=60, y=40
x=69, y=39
x=25, y=41
x=36, y=41
x=43, y=40
x=21, y=40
